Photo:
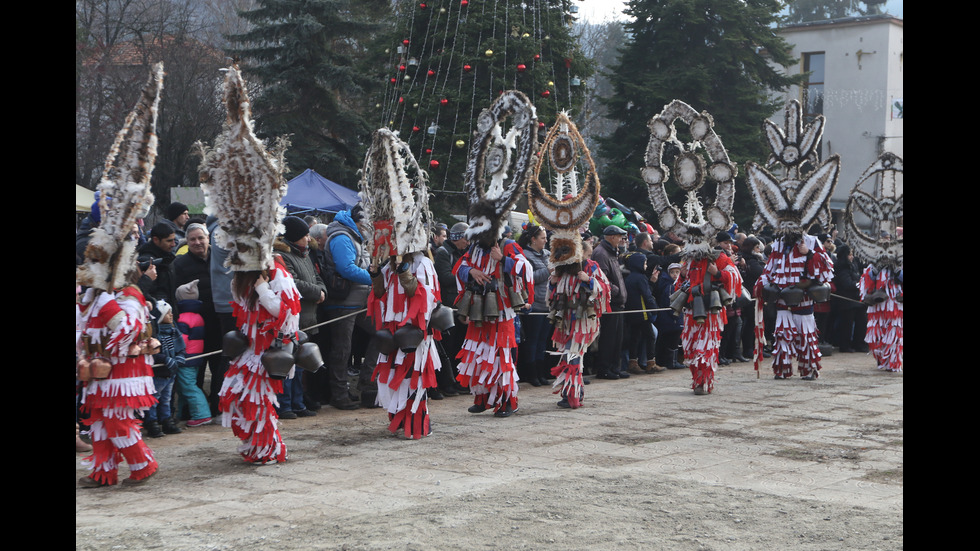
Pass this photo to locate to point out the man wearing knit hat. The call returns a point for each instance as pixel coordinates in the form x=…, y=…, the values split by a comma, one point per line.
x=178, y=216
x=293, y=246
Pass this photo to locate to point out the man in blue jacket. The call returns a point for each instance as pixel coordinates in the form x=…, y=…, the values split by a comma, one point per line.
x=345, y=274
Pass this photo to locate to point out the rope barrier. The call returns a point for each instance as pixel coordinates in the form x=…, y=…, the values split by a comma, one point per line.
x=615, y=312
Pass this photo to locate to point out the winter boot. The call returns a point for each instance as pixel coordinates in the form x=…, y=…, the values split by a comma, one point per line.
x=633, y=367
x=152, y=429
x=652, y=367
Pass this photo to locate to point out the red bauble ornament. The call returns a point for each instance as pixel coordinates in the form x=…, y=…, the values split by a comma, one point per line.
x=521, y=67
x=401, y=68
x=546, y=93
x=406, y=42
x=537, y=57
x=428, y=151
x=464, y=3
x=415, y=129
x=401, y=100
x=423, y=5
x=394, y=80
x=432, y=73
x=434, y=163
x=467, y=68
x=444, y=101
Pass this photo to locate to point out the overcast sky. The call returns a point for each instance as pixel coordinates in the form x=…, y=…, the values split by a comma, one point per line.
x=597, y=11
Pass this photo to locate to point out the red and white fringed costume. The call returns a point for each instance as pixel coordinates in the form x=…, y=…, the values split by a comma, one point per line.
x=248, y=394
x=486, y=365
x=576, y=326
x=886, y=319
x=702, y=340
x=403, y=376
x=117, y=321
x=796, y=332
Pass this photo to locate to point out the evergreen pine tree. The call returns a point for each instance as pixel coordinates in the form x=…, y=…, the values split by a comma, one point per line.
x=713, y=55
x=304, y=59
x=449, y=59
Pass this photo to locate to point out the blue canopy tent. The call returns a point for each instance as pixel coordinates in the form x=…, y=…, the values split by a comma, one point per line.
x=311, y=192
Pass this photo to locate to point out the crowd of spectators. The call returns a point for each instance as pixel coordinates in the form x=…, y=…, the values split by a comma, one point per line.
x=183, y=277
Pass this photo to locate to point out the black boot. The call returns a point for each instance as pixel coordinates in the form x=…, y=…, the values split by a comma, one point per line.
x=152, y=429
x=170, y=427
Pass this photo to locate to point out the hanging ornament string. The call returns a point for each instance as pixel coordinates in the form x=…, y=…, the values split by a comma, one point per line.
x=442, y=89
x=445, y=73
x=426, y=44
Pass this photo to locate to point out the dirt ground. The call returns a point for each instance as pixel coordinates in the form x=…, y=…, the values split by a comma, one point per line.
x=645, y=464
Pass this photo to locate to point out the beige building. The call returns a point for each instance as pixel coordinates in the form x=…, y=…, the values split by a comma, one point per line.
x=857, y=83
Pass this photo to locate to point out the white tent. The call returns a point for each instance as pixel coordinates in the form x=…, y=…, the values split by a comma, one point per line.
x=83, y=199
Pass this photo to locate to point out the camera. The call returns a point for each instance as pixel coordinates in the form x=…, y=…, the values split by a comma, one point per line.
x=145, y=264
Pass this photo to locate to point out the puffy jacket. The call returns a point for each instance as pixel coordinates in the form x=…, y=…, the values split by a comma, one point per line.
x=638, y=295
x=541, y=274
x=343, y=255
x=307, y=281
x=608, y=260
x=190, y=323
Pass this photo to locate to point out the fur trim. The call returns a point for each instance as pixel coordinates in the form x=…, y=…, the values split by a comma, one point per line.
x=698, y=223
x=563, y=147
x=792, y=204
x=124, y=193
x=884, y=209
x=506, y=158
x=243, y=183
x=394, y=196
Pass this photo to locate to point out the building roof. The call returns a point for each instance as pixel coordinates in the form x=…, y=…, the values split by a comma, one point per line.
x=843, y=22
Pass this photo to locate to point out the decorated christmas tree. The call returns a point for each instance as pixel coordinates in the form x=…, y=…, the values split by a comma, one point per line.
x=449, y=59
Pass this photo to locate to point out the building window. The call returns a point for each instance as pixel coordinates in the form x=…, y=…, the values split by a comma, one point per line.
x=813, y=63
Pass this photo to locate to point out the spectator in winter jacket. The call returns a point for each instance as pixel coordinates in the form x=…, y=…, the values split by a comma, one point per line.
x=348, y=282
x=192, y=404
x=606, y=255
x=669, y=325
x=639, y=323
x=159, y=420
x=293, y=246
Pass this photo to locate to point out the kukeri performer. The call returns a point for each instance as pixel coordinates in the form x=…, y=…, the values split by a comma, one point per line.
x=704, y=322
x=799, y=271
x=797, y=263
x=882, y=283
x=405, y=288
x=266, y=309
x=243, y=185
x=578, y=291
x=493, y=272
x=576, y=300
x=113, y=343
x=708, y=271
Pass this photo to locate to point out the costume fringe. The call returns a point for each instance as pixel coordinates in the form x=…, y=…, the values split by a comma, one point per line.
x=885, y=335
x=248, y=395
x=701, y=342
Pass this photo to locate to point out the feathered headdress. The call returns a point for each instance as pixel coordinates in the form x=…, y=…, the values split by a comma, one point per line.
x=567, y=208
x=885, y=247
x=124, y=193
x=493, y=154
x=394, y=198
x=792, y=204
x=698, y=224
x=243, y=183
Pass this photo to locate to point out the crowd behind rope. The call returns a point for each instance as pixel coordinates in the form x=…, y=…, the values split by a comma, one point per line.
x=182, y=276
